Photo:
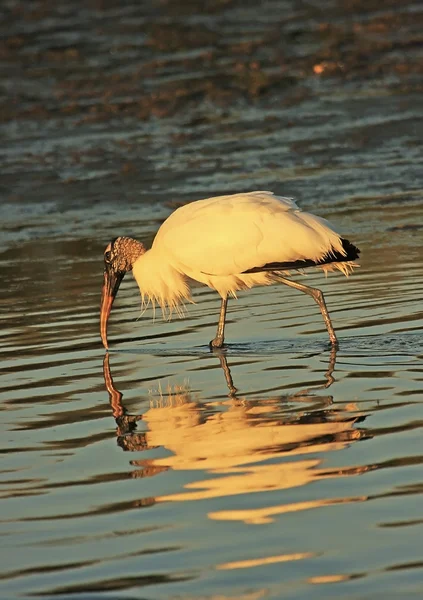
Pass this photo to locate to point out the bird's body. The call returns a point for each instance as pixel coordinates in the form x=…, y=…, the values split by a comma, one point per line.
x=216, y=241
x=231, y=243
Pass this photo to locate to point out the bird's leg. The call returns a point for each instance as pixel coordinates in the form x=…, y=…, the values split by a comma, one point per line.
x=318, y=297
x=220, y=334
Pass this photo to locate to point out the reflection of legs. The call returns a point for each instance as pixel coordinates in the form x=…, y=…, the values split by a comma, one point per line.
x=227, y=372
x=318, y=297
x=328, y=376
x=220, y=334
x=331, y=367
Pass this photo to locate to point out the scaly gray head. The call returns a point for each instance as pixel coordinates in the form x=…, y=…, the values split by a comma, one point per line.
x=119, y=258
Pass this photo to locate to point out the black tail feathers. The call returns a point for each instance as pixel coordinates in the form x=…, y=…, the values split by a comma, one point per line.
x=352, y=252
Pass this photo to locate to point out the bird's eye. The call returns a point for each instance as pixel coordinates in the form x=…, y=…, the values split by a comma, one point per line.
x=108, y=257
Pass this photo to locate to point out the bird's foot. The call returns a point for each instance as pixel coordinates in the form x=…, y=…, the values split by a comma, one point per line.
x=334, y=344
x=216, y=344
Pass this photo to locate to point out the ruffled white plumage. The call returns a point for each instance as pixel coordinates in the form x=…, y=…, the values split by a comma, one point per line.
x=214, y=241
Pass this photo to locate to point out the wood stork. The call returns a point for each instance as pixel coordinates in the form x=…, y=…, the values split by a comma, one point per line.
x=228, y=243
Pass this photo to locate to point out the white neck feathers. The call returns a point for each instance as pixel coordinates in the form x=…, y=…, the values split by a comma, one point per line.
x=161, y=284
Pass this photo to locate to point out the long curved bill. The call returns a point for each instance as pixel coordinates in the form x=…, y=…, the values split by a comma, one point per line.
x=112, y=280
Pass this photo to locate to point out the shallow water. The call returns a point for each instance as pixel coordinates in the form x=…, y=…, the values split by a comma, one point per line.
x=136, y=474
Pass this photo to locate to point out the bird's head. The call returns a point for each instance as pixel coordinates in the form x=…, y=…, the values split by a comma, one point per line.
x=119, y=257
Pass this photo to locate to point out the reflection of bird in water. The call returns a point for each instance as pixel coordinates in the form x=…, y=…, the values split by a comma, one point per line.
x=233, y=390
x=245, y=443
x=228, y=243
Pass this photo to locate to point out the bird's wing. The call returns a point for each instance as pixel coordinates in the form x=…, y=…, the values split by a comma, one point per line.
x=228, y=235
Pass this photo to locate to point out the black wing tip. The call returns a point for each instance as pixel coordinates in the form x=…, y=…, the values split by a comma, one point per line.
x=352, y=252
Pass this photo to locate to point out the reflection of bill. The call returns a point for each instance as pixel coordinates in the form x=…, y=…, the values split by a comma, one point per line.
x=246, y=447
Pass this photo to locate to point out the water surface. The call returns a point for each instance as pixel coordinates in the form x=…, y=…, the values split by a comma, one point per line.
x=138, y=474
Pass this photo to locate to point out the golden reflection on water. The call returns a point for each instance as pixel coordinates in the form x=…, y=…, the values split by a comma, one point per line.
x=246, y=446
x=319, y=579
x=267, y=560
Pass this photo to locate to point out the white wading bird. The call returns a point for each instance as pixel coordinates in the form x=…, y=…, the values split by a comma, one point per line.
x=228, y=243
